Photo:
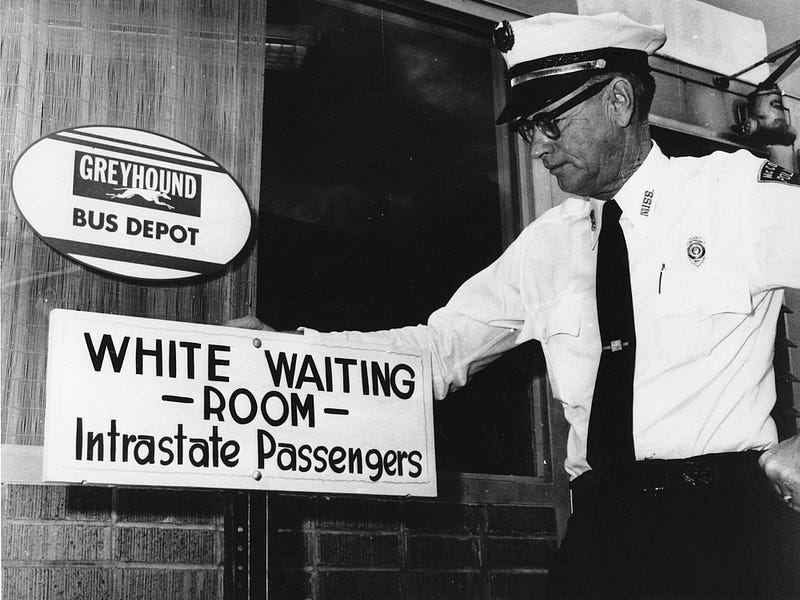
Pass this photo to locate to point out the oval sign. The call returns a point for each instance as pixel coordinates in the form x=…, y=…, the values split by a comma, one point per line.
x=131, y=202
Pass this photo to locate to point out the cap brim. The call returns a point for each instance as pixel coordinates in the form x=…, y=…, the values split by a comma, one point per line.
x=532, y=96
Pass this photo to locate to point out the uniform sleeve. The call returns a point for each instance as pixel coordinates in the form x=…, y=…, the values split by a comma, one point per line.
x=771, y=218
x=480, y=322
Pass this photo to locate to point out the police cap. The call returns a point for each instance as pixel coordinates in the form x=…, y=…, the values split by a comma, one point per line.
x=551, y=55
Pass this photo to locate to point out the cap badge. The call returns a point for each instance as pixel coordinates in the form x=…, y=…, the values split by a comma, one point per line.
x=696, y=250
x=503, y=36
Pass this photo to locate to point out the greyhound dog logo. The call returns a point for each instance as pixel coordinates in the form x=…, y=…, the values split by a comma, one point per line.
x=153, y=196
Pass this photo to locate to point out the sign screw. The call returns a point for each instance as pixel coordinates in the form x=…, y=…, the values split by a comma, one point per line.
x=257, y=342
x=257, y=475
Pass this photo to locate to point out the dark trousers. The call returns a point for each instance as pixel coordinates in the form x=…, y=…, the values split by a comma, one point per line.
x=708, y=527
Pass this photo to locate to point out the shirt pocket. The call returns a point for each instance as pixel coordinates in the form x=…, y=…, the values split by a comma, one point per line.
x=561, y=316
x=557, y=325
x=689, y=304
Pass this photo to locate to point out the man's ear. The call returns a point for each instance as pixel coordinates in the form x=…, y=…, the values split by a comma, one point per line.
x=622, y=102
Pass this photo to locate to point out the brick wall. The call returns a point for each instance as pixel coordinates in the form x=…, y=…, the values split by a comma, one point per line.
x=91, y=543
x=85, y=543
x=325, y=547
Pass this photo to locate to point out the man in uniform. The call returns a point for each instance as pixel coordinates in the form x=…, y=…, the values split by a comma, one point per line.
x=654, y=291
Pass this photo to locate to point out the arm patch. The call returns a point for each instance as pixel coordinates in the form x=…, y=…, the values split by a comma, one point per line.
x=772, y=172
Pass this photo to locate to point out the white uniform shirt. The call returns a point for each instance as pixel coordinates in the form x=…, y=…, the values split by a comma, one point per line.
x=710, y=247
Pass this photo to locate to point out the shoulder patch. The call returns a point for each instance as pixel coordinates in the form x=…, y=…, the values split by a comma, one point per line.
x=772, y=172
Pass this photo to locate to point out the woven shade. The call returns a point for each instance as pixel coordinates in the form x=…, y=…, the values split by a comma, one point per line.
x=189, y=70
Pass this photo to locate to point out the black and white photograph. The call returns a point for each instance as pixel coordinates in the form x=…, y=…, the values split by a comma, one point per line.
x=400, y=300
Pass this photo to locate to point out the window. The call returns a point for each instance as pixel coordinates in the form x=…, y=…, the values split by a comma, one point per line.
x=381, y=194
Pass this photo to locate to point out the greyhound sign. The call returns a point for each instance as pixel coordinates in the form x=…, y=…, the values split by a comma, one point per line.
x=131, y=202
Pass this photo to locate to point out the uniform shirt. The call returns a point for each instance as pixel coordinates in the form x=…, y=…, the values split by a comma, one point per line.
x=711, y=241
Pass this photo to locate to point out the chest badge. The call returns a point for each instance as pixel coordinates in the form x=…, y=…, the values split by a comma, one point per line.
x=696, y=250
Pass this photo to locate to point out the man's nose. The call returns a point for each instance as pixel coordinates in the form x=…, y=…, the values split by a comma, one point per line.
x=540, y=144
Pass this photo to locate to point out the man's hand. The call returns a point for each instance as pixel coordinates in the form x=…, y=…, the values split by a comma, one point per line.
x=248, y=322
x=782, y=466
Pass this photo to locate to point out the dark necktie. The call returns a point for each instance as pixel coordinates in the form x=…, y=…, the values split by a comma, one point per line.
x=610, y=439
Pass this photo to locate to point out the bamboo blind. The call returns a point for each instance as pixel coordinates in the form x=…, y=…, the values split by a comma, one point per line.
x=186, y=69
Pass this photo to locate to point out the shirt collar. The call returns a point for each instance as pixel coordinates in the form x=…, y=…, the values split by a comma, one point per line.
x=639, y=196
x=595, y=211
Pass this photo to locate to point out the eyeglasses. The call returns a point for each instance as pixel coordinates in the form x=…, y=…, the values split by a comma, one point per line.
x=546, y=122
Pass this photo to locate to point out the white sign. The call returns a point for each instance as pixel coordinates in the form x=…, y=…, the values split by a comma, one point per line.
x=160, y=403
x=131, y=202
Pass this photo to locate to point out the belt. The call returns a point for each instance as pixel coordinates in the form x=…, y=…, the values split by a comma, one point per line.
x=656, y=477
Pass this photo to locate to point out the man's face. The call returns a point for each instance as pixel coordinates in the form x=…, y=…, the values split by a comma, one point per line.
x=586, y=157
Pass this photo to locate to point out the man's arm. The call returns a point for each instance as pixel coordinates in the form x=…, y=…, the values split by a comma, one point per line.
x=781, y=463
x=481, y=321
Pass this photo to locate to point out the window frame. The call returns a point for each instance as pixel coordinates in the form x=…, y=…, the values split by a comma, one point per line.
x=516, y=185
